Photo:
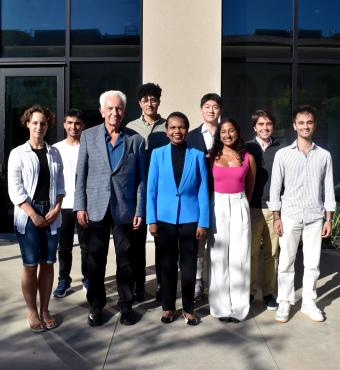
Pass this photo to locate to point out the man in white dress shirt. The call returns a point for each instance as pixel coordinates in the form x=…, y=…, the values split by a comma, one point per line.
x=202, y=138
x=304, y=208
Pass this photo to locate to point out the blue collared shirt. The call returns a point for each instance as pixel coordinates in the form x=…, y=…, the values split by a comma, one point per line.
x=115, y=152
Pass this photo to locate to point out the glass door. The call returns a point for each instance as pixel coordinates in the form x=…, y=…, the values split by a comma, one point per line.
x=20, y=88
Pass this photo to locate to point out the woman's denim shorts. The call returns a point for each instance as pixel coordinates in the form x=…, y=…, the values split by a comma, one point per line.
x=38, y=245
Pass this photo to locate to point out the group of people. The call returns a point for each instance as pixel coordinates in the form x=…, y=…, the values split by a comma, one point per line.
x=201, y=192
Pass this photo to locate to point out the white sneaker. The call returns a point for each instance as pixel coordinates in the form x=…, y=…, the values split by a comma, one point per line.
x=282, y=313
x=313, y=312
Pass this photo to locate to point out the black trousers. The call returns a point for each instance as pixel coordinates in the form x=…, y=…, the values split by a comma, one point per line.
x=97, y=241
x=177, y=241
x=66, y=245
x=157, y=262
x=138, y=240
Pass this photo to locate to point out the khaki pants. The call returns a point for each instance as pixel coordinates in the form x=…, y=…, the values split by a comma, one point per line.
x=262, y=229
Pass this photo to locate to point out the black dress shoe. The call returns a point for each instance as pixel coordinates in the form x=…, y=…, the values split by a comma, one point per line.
x=95, y=317
x=128, y=318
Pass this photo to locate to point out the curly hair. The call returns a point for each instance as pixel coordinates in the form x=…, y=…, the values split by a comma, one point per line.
x=27, y=115
x=217, y=148
x=149, y=89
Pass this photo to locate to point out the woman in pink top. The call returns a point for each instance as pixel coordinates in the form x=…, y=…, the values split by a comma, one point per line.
x=233, y=171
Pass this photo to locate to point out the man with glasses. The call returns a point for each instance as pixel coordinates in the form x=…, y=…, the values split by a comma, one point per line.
x=151, y=126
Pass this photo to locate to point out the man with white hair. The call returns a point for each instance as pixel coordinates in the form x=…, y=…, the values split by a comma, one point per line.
x=110, y=193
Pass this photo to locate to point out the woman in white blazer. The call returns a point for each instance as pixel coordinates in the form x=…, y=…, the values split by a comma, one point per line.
x=36, y=188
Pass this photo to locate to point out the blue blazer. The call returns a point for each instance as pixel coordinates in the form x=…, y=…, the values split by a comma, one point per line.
x=188, y=203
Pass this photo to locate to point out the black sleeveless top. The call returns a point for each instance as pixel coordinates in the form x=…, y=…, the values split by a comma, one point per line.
x=42, y=191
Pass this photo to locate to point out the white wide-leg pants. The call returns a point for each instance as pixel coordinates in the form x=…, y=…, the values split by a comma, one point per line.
x=229, y=243
x=289, y=242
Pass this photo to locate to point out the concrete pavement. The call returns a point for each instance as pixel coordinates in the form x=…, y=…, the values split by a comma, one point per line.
x=257, y=343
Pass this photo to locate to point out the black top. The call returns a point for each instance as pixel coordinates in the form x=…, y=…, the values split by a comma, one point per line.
x=42, y=191
x=264, y=162
x=178, y=158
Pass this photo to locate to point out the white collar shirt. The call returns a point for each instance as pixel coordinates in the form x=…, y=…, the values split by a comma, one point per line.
x=302, y=186
x=207, y=136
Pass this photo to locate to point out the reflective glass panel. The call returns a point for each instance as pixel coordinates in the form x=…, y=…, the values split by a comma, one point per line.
x=250, y=86
x=319, y=86
x=32, y=28
x=89, y=80
x=21, y=93
x=257, y=28
x=319, y=29
x=105, y=28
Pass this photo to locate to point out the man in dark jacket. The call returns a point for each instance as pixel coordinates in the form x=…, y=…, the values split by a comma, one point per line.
x=263, y=147
x=202, y=138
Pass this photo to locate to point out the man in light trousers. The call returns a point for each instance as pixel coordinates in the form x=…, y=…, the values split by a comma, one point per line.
x=304, y=208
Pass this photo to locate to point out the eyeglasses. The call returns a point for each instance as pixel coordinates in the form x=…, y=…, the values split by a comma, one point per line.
x=149, y=100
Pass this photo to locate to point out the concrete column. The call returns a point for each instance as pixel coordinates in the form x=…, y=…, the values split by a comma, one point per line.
x=182, y=52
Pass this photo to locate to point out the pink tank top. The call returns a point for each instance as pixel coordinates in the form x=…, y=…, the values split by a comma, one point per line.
x=230, y=180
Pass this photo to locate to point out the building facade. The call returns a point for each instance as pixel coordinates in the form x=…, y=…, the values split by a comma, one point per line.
x=255, y=53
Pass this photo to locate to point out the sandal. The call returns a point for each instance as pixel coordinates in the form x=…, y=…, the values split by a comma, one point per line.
x=169, y=319
x=36, y=327
x=50, y=324
x=192, y=322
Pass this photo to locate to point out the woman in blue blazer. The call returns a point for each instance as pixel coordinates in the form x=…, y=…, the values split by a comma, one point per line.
x=177, y=214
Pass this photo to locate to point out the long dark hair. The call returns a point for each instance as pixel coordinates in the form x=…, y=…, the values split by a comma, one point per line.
x=217, y=148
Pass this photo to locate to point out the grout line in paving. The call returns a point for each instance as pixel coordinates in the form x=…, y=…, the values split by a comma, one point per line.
x=264, y=341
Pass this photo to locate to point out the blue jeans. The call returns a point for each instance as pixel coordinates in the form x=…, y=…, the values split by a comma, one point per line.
x=38, y=245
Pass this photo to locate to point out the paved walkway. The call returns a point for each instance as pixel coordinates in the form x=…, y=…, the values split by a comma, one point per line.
x=257, y=343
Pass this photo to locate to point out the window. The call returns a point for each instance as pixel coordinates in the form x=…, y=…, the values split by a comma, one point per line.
x=284, y=59
x=257, y=28
x=319, y=29
x=105, y=28
x=32, y=28
x=250, y=86
x=89, y=80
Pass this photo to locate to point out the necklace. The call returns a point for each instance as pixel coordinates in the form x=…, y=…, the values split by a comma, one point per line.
x=230, y=157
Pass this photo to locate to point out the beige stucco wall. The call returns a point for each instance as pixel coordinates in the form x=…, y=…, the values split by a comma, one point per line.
x=182, y=52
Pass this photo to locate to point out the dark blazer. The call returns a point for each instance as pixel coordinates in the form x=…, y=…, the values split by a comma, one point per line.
x=96, y=182
x=196, y=140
